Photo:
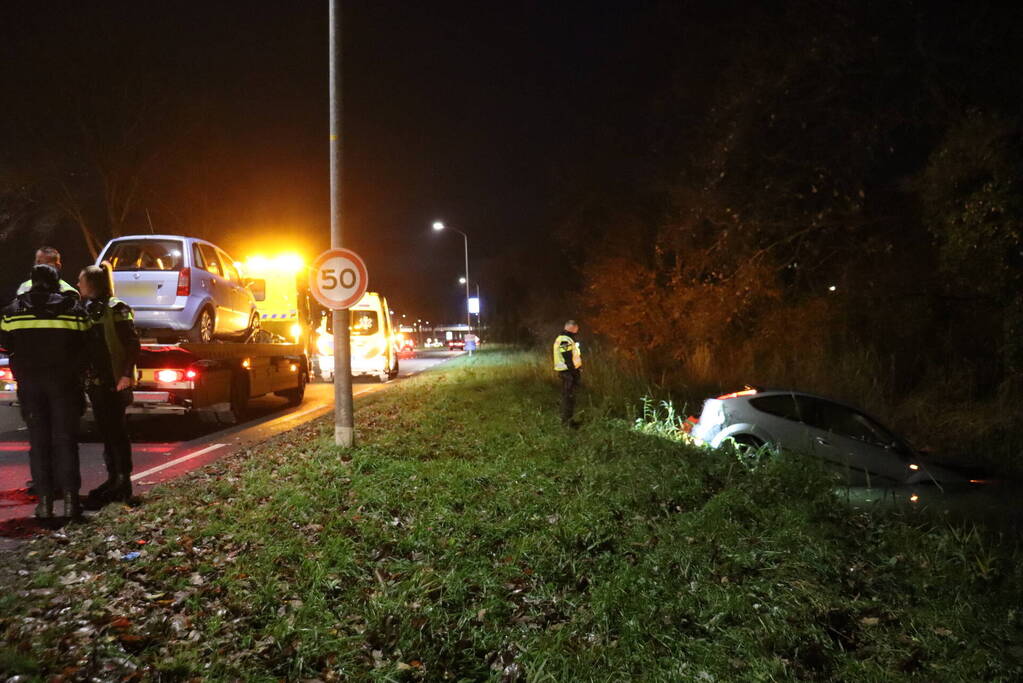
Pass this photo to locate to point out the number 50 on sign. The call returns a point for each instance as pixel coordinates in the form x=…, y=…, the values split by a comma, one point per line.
x=338, y=278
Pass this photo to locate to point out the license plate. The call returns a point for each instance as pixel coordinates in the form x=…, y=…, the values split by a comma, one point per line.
x=136, y=290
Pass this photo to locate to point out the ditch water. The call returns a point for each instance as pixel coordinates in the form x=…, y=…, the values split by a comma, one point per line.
x=997, y=504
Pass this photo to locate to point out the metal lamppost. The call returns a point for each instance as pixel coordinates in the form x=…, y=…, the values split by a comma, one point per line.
x=344, y=421
x=438, y=226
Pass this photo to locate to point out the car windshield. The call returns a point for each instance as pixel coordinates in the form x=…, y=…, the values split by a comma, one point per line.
x=364, y=323
x=146, y=255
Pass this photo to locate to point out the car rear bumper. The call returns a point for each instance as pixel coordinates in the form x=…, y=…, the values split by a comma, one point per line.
x=177, y=317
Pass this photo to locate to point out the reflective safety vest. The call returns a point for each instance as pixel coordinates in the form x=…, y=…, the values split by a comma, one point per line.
x=46, y=336
x=65, y=288
x=20, y=322
x=106, y=316
x=564, y=344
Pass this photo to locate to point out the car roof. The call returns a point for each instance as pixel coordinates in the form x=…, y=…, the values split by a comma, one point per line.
x=792, y=392
x=163, y=237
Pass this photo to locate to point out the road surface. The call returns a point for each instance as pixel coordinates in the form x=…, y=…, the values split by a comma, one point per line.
x=167, y=446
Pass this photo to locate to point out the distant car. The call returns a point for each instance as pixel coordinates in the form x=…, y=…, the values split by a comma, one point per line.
x=844, y=438
x=181, y=287
x=456, y=344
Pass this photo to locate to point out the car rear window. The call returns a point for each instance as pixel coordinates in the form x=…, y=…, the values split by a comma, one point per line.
x=146, y=255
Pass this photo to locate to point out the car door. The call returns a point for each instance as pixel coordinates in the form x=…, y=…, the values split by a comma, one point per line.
x=850, y=442
x=240, y=296
x=780, y=417
x=218, y=287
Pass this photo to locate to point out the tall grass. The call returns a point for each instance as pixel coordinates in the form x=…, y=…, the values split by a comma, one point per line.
x=941, y=414
x=469, y=537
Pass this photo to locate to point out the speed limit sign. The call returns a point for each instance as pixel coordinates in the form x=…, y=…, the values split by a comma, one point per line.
x=338, y=278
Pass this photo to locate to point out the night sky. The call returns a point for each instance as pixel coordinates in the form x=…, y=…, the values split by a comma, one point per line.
x=463, y=111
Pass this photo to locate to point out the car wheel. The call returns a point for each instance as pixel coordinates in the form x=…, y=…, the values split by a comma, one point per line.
x=746, y=444
x=202, y=331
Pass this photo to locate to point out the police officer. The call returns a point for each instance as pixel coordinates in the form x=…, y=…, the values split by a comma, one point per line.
x=46, y=335
x=568, y=362
x=49, y=256
x=110, y=378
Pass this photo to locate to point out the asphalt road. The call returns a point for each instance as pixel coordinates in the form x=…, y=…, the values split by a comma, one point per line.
x=167, y=446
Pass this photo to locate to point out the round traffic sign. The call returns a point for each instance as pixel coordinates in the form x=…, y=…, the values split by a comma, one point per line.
x=338, y=278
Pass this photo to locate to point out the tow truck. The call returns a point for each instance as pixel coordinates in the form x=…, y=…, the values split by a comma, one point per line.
x=212, y=381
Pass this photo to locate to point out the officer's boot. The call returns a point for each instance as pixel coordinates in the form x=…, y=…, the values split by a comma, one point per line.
x=44, y=509
x=100, y=496
x=72, y=505
x=120, y=490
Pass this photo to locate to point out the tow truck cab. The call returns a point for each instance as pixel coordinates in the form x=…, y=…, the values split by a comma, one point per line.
x=281, y=289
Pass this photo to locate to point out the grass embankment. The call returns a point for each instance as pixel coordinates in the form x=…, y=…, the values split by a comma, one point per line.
x=470, y=537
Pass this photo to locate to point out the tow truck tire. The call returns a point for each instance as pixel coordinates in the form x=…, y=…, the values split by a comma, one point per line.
x=204, y=328
x=296, y=395
x=239, y=401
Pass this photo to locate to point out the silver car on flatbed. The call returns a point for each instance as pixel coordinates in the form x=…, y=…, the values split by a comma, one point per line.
x=840, y=436
x=181, y=288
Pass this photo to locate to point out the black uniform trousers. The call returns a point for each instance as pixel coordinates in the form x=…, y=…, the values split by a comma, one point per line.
x=108, y=408
x=51, y=404
x=570, y=381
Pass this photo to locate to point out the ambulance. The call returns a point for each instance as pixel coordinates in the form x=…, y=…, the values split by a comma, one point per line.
x=374, y=341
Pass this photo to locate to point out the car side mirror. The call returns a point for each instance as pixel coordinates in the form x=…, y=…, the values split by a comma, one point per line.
x=257, y=286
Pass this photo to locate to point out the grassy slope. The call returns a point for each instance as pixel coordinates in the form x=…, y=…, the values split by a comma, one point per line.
x=469, y=536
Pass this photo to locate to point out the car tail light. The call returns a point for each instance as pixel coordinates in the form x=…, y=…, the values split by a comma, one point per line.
x=191, y=374
x=6, y=375
x=184, y=282
x=691, y=421
x=169, y=376
x=748, y=391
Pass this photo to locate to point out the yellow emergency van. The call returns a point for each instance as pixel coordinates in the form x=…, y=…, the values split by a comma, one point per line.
x=374, y=341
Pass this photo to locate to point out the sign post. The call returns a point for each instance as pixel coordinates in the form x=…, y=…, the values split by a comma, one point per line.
x=344, y=422
x=338, y=279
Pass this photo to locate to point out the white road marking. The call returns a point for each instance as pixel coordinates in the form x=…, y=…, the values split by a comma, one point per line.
x=176, y=461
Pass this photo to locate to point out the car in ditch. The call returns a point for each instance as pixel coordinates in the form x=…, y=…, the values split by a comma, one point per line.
x=181, y=288
x=839, y=436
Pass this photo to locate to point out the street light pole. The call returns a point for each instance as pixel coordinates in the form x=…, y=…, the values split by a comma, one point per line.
x=439, y=225
x=344, y=420
x=468, y=316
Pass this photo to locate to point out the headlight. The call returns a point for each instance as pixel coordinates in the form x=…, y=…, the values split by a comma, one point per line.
x=296, y=330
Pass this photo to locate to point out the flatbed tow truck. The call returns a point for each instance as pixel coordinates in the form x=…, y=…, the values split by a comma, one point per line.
x=214, y=382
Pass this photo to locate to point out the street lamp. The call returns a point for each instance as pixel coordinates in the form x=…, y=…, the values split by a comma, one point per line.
x=461, y=280
x=438, y=226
